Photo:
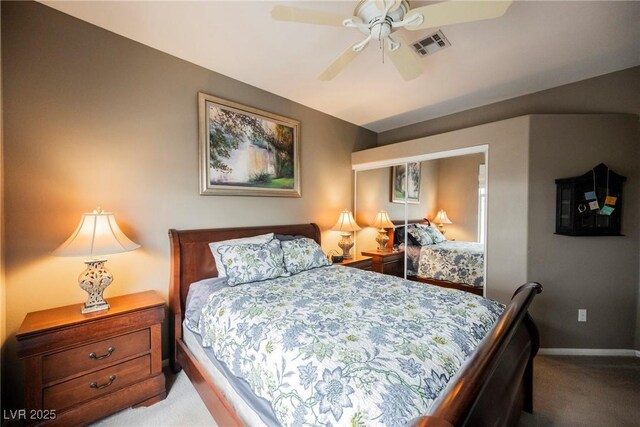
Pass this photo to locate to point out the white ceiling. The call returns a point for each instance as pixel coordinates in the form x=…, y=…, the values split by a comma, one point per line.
x=535, y=46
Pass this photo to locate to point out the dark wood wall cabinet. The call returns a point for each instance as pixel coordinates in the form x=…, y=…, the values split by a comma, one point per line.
x=590, y=204
x=82, y=367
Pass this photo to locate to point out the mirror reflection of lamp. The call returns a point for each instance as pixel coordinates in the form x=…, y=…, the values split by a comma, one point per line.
x=97, y=235
x=381, y=222
x=346, y=225
x=441, y=218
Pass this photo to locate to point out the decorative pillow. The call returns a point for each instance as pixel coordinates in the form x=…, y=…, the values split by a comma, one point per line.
x=435, y=234
x=250, y=262
x=263, y=238
x=421, y=236
x=398, y=235
x=303, y=254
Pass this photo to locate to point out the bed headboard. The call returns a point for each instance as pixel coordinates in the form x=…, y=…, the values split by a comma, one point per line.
x=191, y=259
x=400, y=222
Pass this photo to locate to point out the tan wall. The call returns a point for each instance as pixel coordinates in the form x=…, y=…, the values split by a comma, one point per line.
x=3, y=302
x=596, y=273
x=373, y=193
x=94, y=118
x=458, y=195
x=508, y=160
x=610, y=93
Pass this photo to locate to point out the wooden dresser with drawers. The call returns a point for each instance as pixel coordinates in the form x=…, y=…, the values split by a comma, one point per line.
x=82, y=367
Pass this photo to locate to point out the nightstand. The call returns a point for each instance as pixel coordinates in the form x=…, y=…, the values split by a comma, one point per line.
x=387, y=262
x=361, y=262
x=82, y=367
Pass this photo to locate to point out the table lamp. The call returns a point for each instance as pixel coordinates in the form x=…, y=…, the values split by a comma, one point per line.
x=441, y=219
x=381, y=222
x=97, y=235
x=346, y=225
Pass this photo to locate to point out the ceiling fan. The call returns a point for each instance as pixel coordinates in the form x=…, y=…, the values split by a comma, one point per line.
x=378, y=19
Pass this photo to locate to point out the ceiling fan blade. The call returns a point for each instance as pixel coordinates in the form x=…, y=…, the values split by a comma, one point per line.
x=306, y=16
x=457, y=12
x=405, y=61
x=338, y=65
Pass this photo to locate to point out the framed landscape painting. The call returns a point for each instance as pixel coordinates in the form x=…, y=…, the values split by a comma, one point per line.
x=247, y=152
x=399, y=183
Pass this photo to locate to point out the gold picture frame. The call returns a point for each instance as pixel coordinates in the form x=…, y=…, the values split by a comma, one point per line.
x=245, y=151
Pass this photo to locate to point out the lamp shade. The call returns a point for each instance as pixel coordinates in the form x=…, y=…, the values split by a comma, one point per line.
x=346, y=222
x=97, y=234
x=442, y=218
x=382, y=220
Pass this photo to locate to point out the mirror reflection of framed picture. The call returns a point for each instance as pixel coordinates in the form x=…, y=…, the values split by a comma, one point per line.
x=247, y=152
x=399, y=182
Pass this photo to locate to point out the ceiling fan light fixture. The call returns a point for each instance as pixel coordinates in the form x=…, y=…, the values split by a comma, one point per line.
x=378, y=19
x=392, y=45
x=380, y=30
x=369, y=13
x=358, y=47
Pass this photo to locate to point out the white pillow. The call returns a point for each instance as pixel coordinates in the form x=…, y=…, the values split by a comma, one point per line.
x=261, y=239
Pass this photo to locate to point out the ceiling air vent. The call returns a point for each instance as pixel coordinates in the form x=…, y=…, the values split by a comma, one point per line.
x=431, y=44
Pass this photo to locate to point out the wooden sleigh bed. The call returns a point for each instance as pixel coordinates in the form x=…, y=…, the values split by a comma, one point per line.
x=490, y=390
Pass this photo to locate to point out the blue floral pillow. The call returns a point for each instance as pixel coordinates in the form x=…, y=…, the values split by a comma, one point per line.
x=434, y=233
x=421, y=236
x=251, y=262
x=303, y=254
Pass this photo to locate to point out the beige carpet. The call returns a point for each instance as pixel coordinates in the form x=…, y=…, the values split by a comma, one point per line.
x=182, y=407
x=569, y=391
x=585, y=391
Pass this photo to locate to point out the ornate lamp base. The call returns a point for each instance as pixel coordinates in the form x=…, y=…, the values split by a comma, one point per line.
x=94, y=280
x=382, y=238
x=346, y=243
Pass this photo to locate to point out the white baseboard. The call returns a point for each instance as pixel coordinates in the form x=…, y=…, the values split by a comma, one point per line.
x=589, y=352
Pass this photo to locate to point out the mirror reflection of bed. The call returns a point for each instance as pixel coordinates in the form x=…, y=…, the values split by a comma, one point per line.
x=445, y=219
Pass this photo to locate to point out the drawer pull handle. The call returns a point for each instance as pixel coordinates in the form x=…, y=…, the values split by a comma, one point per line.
x=110, y=350
x=95, y=385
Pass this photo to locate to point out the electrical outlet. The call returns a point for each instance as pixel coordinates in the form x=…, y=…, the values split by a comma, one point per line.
x=582, y=315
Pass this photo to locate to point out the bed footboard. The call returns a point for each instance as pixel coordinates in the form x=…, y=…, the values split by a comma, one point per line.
x=501, y=370
x=449, y=285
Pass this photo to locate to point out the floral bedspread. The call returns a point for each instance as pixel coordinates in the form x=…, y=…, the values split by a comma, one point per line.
x=458, y=262
x=342, y=346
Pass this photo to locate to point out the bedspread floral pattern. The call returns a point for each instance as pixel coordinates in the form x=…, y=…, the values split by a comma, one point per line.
x=458, y=262
x=342, y=346
x=250, y=262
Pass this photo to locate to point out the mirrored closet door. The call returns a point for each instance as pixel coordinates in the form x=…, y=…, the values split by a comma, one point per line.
x=437, y=208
